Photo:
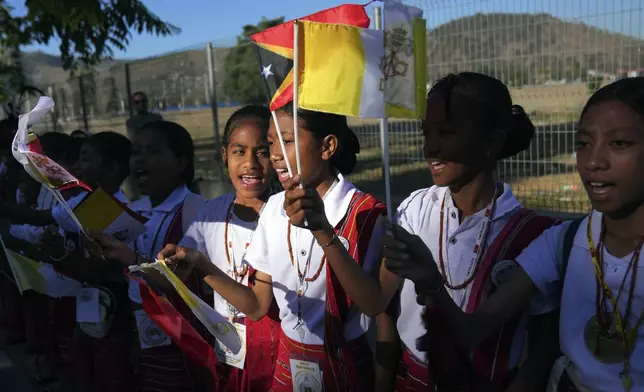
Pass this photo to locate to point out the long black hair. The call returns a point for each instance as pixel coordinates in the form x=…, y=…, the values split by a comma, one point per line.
x=489, y=108
x=323, y=124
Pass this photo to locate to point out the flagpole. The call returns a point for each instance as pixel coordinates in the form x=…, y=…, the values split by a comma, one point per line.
x=296, y=84
x=384, y=132
x=282, y=145
x=71, y=214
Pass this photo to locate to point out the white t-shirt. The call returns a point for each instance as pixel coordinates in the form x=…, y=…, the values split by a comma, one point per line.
x=45, y=202
x=268, y=253
x=207, y=234
x=542, y=262
x=420, y=215
x=159, y=218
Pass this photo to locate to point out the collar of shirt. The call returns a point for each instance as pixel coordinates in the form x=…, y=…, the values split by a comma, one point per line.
x=168, y=205
x=336, y=200
x=506, y=203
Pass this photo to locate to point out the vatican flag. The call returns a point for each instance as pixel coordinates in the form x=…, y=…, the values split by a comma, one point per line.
x=404, y=61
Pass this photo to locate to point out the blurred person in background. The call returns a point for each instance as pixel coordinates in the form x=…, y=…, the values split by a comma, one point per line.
x=142, y=116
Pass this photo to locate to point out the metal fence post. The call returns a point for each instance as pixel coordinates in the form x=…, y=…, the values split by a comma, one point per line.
x=81, y=86
x=212, y=91
x=128, y=89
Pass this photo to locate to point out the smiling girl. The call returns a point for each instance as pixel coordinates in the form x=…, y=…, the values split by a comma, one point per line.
x=469, y=221
x=313, y=272
x=224, y=230
x=590, y=266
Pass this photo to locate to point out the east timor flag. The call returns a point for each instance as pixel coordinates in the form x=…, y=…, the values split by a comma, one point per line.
x=275, y=49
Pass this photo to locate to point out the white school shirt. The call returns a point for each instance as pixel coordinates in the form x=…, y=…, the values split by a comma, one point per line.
x=150, y=243
x=206, y=234
x=45, y=202
x=268, y=252
x=419, y=214
x=542, y=262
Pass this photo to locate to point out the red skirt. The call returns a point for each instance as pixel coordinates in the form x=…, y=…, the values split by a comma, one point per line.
x=63, y=324
x=105, y=363
x=262, y=343
x=413, y=375
x=167, y=369
x=358, y=350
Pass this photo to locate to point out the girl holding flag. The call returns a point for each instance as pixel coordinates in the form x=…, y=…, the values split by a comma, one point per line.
x=469, y=222
x=590, y=266
x=224, y=230
x=163, y=164
x=313, y=270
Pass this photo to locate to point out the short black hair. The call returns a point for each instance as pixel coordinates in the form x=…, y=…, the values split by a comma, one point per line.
x=257, y=113
x=490, y=107
x=179, y=141
x=629, y=91
x=321, y=124
x=113, y=148
x=56, y=145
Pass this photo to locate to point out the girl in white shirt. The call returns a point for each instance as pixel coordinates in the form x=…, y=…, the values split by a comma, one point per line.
x=317, y=273
x=469, y=221
x=163, y=165
x=592, y=266
x=223, y=232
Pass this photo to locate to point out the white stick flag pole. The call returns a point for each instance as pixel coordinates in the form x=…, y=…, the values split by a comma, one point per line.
x=384, y=131
x=296, y=84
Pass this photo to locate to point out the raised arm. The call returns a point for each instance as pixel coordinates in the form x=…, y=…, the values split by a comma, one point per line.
x=408, y=257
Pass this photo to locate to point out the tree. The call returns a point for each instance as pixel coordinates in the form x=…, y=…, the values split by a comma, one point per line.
x=242, y=79
x=88, y=30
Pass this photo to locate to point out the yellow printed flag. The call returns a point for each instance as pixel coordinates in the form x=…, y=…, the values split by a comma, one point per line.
x=102, y=212
x=340, y=69
x=39, y=277
x=404, y=62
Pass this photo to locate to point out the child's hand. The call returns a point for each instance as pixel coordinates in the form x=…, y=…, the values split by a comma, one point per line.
x=104, y=246
x=304, y=206
x=407, y=256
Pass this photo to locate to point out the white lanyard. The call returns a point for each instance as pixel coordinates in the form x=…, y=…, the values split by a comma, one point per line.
x=230, y=248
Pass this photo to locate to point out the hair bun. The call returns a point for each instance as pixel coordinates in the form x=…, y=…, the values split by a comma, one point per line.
x=519, y=133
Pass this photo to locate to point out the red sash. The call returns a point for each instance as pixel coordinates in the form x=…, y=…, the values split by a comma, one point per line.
x=490, y=361
x=357, y=229
x=262, y=342
x=176, y=319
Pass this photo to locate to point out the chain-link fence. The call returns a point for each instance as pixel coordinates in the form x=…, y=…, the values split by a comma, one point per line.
x=551, y=53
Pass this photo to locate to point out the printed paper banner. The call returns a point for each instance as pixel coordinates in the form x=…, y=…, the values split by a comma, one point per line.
x=215, y=323
x=28, y=152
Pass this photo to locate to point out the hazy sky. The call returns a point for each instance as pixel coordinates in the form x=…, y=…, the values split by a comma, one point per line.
x=220, y=21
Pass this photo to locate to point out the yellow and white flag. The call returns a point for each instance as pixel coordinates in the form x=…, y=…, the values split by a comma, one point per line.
x=102, y=212
x=39, y=277
x=340, y=69
x=215, y=323
x=404, y=61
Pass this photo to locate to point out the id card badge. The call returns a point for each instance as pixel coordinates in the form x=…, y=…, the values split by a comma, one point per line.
x=306, y=376
x=228, y=357
x=150, y=335
x=87, y=306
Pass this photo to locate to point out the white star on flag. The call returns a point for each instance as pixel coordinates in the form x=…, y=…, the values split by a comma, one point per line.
x=266, y=71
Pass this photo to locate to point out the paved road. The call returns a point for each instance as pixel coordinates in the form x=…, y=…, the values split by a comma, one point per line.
x=14, y=378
